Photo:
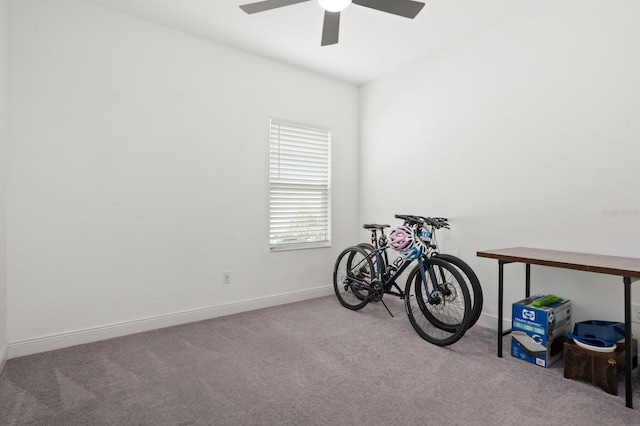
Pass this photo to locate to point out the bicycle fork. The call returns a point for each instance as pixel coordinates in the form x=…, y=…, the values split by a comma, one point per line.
x=431, y=298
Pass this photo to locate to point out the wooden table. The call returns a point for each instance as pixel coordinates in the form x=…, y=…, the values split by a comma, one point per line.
x=626, y=267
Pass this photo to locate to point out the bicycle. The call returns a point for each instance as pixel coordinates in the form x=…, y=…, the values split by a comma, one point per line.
x=428, y=236
x=436, y=298
x=475, y=288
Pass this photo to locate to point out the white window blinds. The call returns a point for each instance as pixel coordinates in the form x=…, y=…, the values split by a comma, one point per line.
x=299, y=206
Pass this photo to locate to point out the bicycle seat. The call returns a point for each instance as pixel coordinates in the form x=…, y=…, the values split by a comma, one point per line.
x=374, y=226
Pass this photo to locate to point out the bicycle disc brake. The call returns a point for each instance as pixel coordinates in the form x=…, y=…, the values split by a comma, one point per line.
x=448, y=292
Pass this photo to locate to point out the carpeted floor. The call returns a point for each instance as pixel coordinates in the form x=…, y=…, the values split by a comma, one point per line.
x=307, y=363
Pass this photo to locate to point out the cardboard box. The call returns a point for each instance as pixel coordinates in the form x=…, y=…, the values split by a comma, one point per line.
x=537, y=332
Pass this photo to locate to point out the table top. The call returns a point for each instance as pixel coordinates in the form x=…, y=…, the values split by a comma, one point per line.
x=612, y=265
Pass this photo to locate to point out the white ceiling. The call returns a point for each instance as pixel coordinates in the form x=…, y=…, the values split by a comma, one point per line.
x=372, y=43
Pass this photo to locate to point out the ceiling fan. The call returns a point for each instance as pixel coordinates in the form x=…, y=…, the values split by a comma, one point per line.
x=332, y=9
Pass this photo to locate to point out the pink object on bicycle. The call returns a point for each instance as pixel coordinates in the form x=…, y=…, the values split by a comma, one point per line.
x=401, y=238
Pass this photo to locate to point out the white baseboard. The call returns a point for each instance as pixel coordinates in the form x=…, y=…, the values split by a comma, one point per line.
x=491, y=322
x=78, y=337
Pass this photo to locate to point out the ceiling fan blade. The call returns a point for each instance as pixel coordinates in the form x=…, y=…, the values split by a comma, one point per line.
x=331, y=28
x=406, y=8
x=262, y=6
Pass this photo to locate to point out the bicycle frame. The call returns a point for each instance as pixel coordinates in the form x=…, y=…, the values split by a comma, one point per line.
x=381, y=262
x=388, y=283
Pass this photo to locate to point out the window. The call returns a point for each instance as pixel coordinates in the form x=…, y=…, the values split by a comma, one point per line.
x=299, y=185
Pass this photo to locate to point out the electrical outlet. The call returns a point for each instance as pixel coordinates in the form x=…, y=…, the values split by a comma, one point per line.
x=635, y=313
x=226, y=277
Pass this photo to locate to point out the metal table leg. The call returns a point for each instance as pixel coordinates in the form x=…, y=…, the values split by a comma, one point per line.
x=628, y=352
x=500, y=302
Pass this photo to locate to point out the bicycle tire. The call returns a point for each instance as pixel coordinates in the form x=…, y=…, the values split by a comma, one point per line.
x=370, y=250
x=448, y=293
x=352, y=263
x=445, y=319
x=475, y=289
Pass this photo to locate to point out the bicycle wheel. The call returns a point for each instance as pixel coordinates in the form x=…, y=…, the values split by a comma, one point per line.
x=445, y=291
x=427, y=296
x=370, y=251
x=473, y=283
x=440, y=308
x=351, y=276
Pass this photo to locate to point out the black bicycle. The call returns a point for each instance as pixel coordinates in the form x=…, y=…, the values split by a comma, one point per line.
x=425, y=228
x=436, y=297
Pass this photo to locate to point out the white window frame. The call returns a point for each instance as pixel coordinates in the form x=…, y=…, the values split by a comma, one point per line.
x=299, y=181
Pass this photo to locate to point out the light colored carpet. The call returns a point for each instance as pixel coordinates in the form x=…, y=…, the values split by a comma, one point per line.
x=307, y=363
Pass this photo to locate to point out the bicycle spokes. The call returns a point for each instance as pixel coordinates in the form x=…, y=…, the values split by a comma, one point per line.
x=439, y=310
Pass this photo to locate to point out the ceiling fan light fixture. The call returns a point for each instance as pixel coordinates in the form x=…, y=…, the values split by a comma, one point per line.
x=334, y=5
x=332, y=8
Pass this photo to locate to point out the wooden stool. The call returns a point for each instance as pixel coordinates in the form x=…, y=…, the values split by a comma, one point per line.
x=599, y=368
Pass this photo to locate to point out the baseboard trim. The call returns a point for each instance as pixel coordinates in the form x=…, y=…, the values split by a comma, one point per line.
x=94, y=334
x=491, y=322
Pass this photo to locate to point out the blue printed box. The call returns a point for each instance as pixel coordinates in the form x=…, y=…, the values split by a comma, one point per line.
x=537, y=332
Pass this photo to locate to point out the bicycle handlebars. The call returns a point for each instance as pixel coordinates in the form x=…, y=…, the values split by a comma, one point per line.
x=410, y=219
x=436, y=222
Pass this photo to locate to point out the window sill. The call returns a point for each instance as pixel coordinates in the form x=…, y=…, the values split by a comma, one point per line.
x=300, y=246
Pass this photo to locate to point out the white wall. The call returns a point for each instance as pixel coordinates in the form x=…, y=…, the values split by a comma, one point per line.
x=139, y=174
x=4, y=120
x=526, y=135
